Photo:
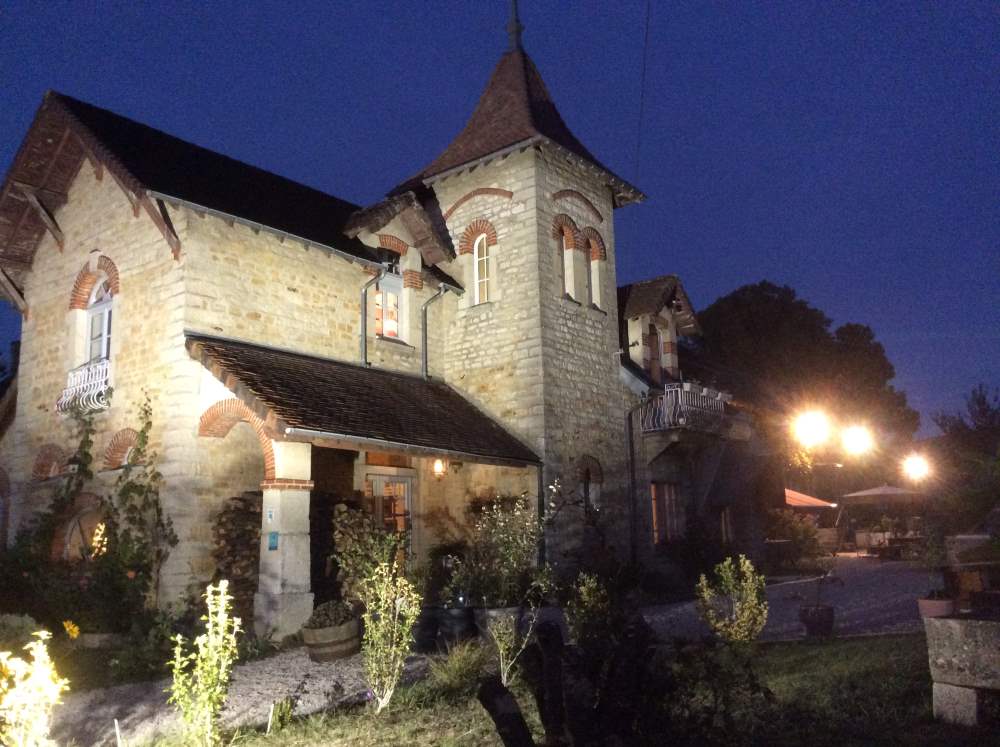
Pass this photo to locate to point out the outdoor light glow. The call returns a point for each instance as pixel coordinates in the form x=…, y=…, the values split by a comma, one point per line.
x=857, y=440
x=916, y=467
x=439, y=468
x=811, y=428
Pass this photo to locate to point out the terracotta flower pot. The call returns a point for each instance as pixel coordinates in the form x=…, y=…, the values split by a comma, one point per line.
x=335, y=642
x=818, y=619
x=936, y=607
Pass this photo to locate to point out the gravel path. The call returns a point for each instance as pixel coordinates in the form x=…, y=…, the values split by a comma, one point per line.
x=143, y=713
x=875, y=597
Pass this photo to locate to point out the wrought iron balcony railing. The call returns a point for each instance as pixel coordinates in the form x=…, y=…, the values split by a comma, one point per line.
x=86, y=388
x=687, y=406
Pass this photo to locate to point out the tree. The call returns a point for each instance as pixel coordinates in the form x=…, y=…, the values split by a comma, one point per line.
x=776, y=353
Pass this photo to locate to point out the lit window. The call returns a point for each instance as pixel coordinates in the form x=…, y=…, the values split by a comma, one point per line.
x=667, y=511
x=390, y=290
x=99, y=322
x=567, y=264
x=481, y=271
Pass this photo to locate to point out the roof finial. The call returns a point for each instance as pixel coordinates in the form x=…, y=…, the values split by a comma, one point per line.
x=514, y=28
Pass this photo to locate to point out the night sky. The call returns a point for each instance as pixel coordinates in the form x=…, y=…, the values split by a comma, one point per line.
x=851, y=151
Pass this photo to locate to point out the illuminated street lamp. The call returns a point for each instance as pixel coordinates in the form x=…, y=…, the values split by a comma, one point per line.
x=811, y=428
x=916, y=467
x=856, y=440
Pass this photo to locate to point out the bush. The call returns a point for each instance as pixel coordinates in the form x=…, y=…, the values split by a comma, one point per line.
x=201, y=677
x=798, y=529
x=16, y=631
x=29, y=690
x=360, y=546
x=499, y=567
x=391, y=608
x=589, y=610
x=457, y=673
x=329, y=614
x=733, y=604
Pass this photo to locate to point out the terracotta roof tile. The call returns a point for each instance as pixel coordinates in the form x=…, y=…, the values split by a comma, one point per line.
x=335, y=397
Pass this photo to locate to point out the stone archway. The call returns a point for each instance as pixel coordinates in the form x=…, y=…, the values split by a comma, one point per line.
x=220, y=418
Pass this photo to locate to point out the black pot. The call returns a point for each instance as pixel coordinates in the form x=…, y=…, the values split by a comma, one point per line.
x=455, y=624
x=425, y=630
x=818, y=619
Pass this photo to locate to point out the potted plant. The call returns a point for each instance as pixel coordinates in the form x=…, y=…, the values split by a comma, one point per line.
x=332, y=632
x=425, y=627
x=937, y=603
x=818, y=618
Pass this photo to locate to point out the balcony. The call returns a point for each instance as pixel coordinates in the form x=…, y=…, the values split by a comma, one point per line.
x=86, y=388
x=686, y=407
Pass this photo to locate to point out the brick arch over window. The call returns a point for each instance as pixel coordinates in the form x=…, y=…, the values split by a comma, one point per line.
x=219, y=419
x=121, y=442
x=473, y=231
x=88, y=277
x=563, y=226
x=572, y=194
x=51, y=461
x=392, y=243
x=595, y=242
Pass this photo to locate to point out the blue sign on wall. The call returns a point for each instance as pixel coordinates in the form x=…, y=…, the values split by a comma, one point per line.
x=272, y=540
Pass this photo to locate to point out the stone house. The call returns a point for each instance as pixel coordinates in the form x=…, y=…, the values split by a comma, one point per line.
x=463, y=337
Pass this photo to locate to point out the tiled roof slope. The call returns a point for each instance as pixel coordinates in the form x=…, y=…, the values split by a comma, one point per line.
x=334, y=397
x=171, y=166
x=516, y=106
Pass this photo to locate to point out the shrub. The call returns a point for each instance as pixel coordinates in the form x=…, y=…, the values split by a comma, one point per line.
x=799, y=530
x=201, y=677
x=499, y=566
x=329, y=614
x=457, y=673
x=509, y=642
x=29, y=690
x=391, y=608
x=360, y=546
x=16, y=631
x=733, y=604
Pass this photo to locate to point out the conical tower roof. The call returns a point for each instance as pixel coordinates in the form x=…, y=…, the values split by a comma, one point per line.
x=515, y=107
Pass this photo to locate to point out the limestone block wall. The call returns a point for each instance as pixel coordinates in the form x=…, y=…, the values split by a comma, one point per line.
x=582, y=392
x=493, y=350
x=96, y=220
x=254, y=286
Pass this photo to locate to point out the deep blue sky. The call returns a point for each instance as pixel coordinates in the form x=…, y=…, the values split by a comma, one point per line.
x=851, y=151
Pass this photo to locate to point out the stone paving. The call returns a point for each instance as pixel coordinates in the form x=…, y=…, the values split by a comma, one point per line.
x=874, y=597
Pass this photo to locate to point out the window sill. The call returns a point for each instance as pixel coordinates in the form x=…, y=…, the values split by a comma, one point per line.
x=393, y=341
x=568, y=297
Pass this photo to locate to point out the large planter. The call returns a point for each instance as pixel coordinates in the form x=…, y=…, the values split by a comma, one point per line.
x=818, y=619
x=936, y=607
x=425, y=630
x=486, y=615
x=455, y=624
x=335, y=642
x=964, y=658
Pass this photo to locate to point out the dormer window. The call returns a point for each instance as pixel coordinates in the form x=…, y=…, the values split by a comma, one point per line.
x=481, y=270
x=99, y=322
x=387, y=305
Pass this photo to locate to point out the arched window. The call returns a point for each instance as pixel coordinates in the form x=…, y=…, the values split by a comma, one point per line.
x=481, y=270
x=99, y=321
x=591, y=478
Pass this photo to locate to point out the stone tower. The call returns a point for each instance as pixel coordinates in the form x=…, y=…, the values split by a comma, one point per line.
x=534, y=340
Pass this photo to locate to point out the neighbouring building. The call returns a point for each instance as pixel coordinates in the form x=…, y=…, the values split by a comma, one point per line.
x=464, y=337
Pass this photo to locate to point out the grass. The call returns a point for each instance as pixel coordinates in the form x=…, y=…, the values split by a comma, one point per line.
x=870, y=691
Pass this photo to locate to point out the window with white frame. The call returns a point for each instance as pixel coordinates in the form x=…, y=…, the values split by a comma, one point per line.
x=388, y=302
x=99, y=322
x=481, y=270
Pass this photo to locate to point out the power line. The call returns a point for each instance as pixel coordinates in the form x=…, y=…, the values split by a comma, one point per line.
x=642, y=94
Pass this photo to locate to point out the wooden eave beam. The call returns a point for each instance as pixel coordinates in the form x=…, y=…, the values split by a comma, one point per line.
x=158, y=212
x=31, y=195
x=10, y=290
